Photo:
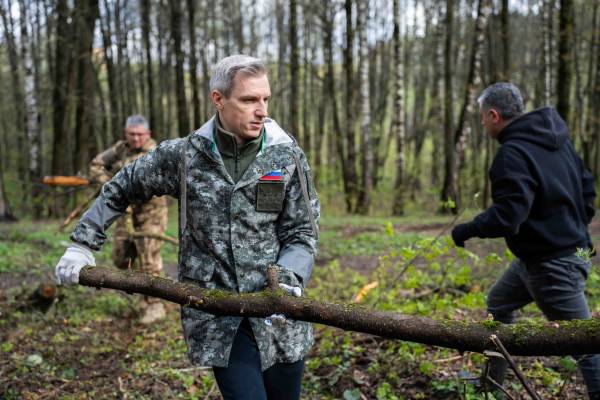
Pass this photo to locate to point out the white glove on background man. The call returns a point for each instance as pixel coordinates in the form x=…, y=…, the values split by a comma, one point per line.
x=75, y=258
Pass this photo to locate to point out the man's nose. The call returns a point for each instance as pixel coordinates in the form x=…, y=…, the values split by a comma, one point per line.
x=261, y=110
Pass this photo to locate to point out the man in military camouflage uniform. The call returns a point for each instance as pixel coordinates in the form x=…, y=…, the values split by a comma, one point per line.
x=246, y=200
x=149, y=217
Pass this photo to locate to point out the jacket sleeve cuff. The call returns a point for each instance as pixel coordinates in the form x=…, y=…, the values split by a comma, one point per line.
x=297, y=260
x=90, y=229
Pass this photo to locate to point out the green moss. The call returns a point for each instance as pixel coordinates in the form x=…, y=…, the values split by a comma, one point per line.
x=491, y=325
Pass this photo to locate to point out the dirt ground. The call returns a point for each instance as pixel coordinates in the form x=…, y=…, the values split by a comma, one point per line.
x=46, y=356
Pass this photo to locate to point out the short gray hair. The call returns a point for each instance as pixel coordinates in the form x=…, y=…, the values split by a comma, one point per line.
x=136, y=119
x=503, y=97
x=226, y=70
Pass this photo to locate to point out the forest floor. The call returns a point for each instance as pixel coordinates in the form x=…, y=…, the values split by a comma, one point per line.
x=89, y=345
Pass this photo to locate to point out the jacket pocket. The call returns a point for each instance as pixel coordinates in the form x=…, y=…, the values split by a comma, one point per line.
x=198, y=267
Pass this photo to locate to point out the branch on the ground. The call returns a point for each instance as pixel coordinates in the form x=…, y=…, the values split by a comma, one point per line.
x=526, y=339
x=153, y=235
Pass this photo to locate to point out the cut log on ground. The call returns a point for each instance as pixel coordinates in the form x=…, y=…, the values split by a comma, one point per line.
x=524, y=339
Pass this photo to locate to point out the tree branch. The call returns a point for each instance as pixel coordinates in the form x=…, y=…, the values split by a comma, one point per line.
x=525, y=339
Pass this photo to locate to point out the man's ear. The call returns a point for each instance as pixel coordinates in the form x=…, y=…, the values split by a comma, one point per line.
x=495, y=115
x=217, y=99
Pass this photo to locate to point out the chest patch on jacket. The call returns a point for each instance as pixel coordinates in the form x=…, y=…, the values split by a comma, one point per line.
x=269, y=196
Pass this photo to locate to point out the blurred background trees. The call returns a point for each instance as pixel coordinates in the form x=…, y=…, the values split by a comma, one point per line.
x=380, y=93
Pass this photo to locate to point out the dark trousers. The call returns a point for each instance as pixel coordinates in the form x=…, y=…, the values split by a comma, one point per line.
x=557, y=287
x=244, y=380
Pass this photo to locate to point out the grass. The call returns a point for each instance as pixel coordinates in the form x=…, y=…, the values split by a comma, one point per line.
x=89, y=345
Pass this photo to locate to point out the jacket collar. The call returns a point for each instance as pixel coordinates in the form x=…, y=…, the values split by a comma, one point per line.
x=204, y=138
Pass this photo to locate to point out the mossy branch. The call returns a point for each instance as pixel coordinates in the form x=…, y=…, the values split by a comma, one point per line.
x=526, y=339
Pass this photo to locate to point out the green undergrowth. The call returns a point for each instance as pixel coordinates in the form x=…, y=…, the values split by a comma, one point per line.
x=89, y=344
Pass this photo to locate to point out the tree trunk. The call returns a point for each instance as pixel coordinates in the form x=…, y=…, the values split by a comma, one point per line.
x=60, y=89
x=197, y=117
x=329, y=91
x=589, y=134
x=32, y=115
x=437, y=123
x=565, y=59
x=398, y=115
x=448, y=191
x=116, y=114
x=548, y=33
x=294, y=104
x=86, y=14
x=151, y=97
x=524, y=339
x=5, y=209
x=183, y=123
x=351, y=173
x=364, y=200
x=463, y=128
x=505, y=41
x=18, y=97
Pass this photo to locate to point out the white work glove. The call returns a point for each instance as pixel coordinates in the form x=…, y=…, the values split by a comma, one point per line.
x=294, y=289
x=75, y=258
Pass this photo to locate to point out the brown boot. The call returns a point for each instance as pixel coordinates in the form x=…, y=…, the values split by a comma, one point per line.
x=153, y=312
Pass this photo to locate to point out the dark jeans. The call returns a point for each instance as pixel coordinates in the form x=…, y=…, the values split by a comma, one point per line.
x=244, y=380
x=557, y=287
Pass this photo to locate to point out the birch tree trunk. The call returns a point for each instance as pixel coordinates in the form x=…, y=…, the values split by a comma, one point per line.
x=398, y=115
x=32, y=115
x=364, y=199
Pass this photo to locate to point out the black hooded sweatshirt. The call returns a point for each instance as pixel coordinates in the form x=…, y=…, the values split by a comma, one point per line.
x=542, y=194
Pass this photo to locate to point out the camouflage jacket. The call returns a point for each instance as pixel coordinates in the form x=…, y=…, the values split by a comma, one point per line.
x=225, y=242
x=106, y=164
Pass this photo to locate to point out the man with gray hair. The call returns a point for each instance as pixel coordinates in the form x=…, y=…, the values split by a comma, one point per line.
x=542, y=204
x=146, y=218
x=246, y=201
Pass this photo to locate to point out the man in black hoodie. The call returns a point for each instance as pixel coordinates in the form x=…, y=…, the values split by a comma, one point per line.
x=542, y=204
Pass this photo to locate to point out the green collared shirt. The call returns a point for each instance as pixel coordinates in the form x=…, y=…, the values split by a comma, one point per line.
x=237, y=158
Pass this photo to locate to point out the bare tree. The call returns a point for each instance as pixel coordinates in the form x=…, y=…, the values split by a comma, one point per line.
x=60, y=90
x=183, y=122
x=398, y=115
x=505, y=40
x=294, y=73
x=86, y=12
x=32, y=115
x=364, y=199
x=191, y=11
x=351, y=174
x=447, y=191
x=463, y=128
x=565, y=59
x=145, y=6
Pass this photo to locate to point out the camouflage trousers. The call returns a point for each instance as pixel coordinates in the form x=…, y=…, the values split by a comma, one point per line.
x=140, y=253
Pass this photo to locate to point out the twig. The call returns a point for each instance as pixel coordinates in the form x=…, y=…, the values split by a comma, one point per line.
x=272, y=277
x=152, y=235
x=78, y=211
x=514, y=366
x=396, y=278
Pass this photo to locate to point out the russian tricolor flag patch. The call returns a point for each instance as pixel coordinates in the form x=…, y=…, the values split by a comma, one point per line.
x=274, y=175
